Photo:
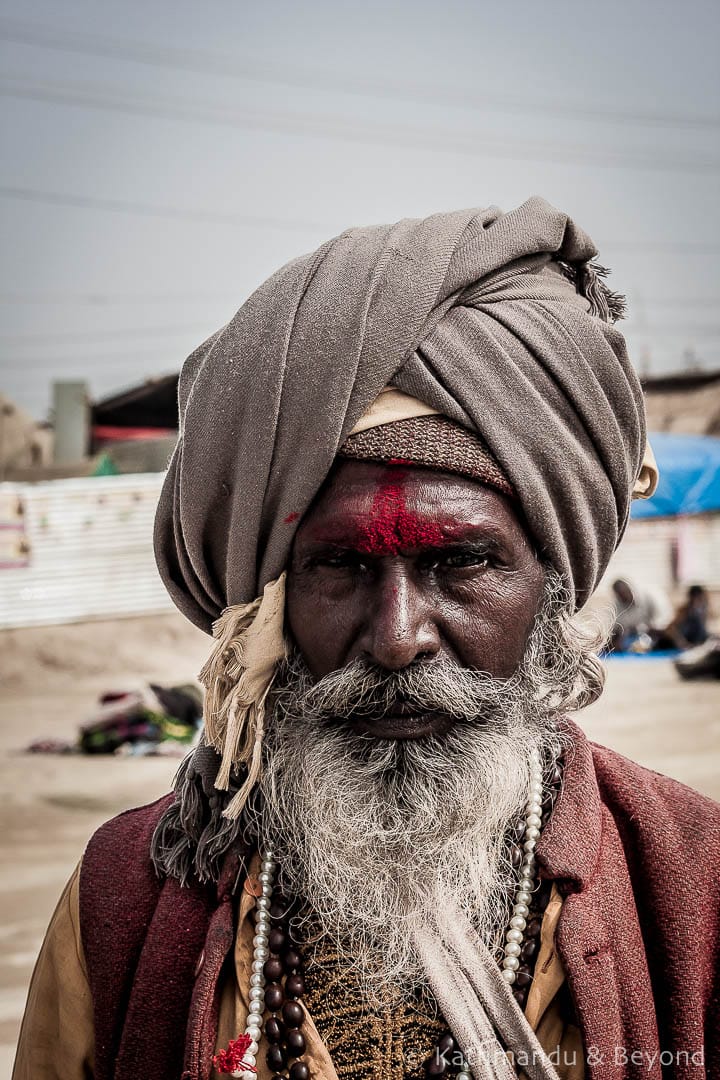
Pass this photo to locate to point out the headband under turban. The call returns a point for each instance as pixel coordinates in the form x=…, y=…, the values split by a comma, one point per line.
x=494, y=320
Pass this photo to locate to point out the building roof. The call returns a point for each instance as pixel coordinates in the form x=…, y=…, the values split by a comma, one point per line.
x=152, y=404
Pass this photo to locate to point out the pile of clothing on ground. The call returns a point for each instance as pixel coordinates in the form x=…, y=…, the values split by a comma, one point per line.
x=158, y=720
x=702, y=662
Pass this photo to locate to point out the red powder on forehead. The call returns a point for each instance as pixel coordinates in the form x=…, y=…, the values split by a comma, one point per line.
x=390, y=526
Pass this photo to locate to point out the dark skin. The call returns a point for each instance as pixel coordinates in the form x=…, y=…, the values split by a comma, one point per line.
x=399, y=564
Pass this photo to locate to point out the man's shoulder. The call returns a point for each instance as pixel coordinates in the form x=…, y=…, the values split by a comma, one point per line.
x=123, y=842
x=119, y=886
x=133, y=824
x=644, y=797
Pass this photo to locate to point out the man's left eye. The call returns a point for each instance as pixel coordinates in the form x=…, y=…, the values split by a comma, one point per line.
x=461, y=559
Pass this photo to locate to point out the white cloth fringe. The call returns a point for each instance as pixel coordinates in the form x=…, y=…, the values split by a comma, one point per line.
x=237, y=676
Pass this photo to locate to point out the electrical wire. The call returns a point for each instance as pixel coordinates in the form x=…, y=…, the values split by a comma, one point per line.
x=345, y=129
x=106, y=299
x=293, y=77
x=57, y=198
x=143, y=209
x=15, y=340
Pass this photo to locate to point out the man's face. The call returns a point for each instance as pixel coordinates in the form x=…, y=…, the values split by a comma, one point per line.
x=397, y=565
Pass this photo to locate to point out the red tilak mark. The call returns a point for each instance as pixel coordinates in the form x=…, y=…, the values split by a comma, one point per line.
x=292, y=517
x=391, y=526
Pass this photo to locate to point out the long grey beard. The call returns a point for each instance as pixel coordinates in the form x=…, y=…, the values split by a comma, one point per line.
x=374, y=835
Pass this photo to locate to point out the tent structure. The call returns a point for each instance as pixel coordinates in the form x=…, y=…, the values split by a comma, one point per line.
x=689, y=477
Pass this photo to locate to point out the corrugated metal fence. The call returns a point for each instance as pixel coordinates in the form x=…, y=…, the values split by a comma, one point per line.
x=79, y=549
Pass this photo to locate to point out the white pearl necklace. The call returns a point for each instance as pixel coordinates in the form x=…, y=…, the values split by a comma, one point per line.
x=523, y=894
x=513, y=937
x=261, y=952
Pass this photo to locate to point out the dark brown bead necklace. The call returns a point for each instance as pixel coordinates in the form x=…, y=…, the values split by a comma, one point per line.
x=285, y=985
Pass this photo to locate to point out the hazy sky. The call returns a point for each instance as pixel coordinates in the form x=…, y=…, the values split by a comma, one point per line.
x=162, y=158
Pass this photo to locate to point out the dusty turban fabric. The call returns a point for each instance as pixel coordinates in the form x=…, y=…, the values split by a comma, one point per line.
x=495, y=320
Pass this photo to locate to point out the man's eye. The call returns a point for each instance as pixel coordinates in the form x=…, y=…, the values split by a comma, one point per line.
x=345, y=560
x=461, y=559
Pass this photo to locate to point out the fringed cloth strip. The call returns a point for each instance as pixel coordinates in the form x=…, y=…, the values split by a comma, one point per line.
x=477, y=1003
x=238, y=675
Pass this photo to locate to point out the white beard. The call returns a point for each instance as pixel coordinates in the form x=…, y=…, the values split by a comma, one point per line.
x=374, y=835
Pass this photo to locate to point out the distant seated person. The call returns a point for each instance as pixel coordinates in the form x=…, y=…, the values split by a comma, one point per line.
x=689, y=625
x=641, y=617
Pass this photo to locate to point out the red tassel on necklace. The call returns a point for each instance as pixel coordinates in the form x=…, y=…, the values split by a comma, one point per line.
x=232, y=1059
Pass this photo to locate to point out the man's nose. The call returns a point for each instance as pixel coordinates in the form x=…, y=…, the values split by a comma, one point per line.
x=400, y=627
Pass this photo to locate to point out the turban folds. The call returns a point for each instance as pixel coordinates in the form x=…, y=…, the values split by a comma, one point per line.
x=486, y=317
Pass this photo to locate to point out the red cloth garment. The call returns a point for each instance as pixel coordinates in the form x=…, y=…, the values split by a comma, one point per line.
x=634, y=854
x=153, y=952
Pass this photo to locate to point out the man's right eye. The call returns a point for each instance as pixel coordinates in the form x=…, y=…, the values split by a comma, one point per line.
x=344, y=560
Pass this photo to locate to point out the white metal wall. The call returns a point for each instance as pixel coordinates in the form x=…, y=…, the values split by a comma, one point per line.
x=699, y=550
x=79, y=549
x=652, y=548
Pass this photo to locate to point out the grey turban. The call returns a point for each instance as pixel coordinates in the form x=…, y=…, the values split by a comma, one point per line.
x=496, y=320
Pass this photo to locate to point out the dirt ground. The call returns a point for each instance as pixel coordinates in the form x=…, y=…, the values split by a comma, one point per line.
x=50, y=678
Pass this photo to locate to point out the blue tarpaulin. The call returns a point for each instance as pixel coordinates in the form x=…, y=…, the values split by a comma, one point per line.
x=689, y=476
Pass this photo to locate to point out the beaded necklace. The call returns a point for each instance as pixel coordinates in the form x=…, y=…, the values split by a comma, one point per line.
x=277, y=982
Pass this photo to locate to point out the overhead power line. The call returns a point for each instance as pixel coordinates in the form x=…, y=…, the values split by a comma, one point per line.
x=293, y=77
x=684, y=329
x=40, y=364
x=19, y=340
x=641, y=301
x=123, y=206
x=106, y=299
x=473, y=143
x=143, y=209
x=707, y=247
x=15, y=340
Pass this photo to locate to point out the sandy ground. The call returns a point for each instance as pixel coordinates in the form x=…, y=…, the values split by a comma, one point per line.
x=51, y=676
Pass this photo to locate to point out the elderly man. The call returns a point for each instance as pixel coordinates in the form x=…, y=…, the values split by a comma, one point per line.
x=402, y=467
